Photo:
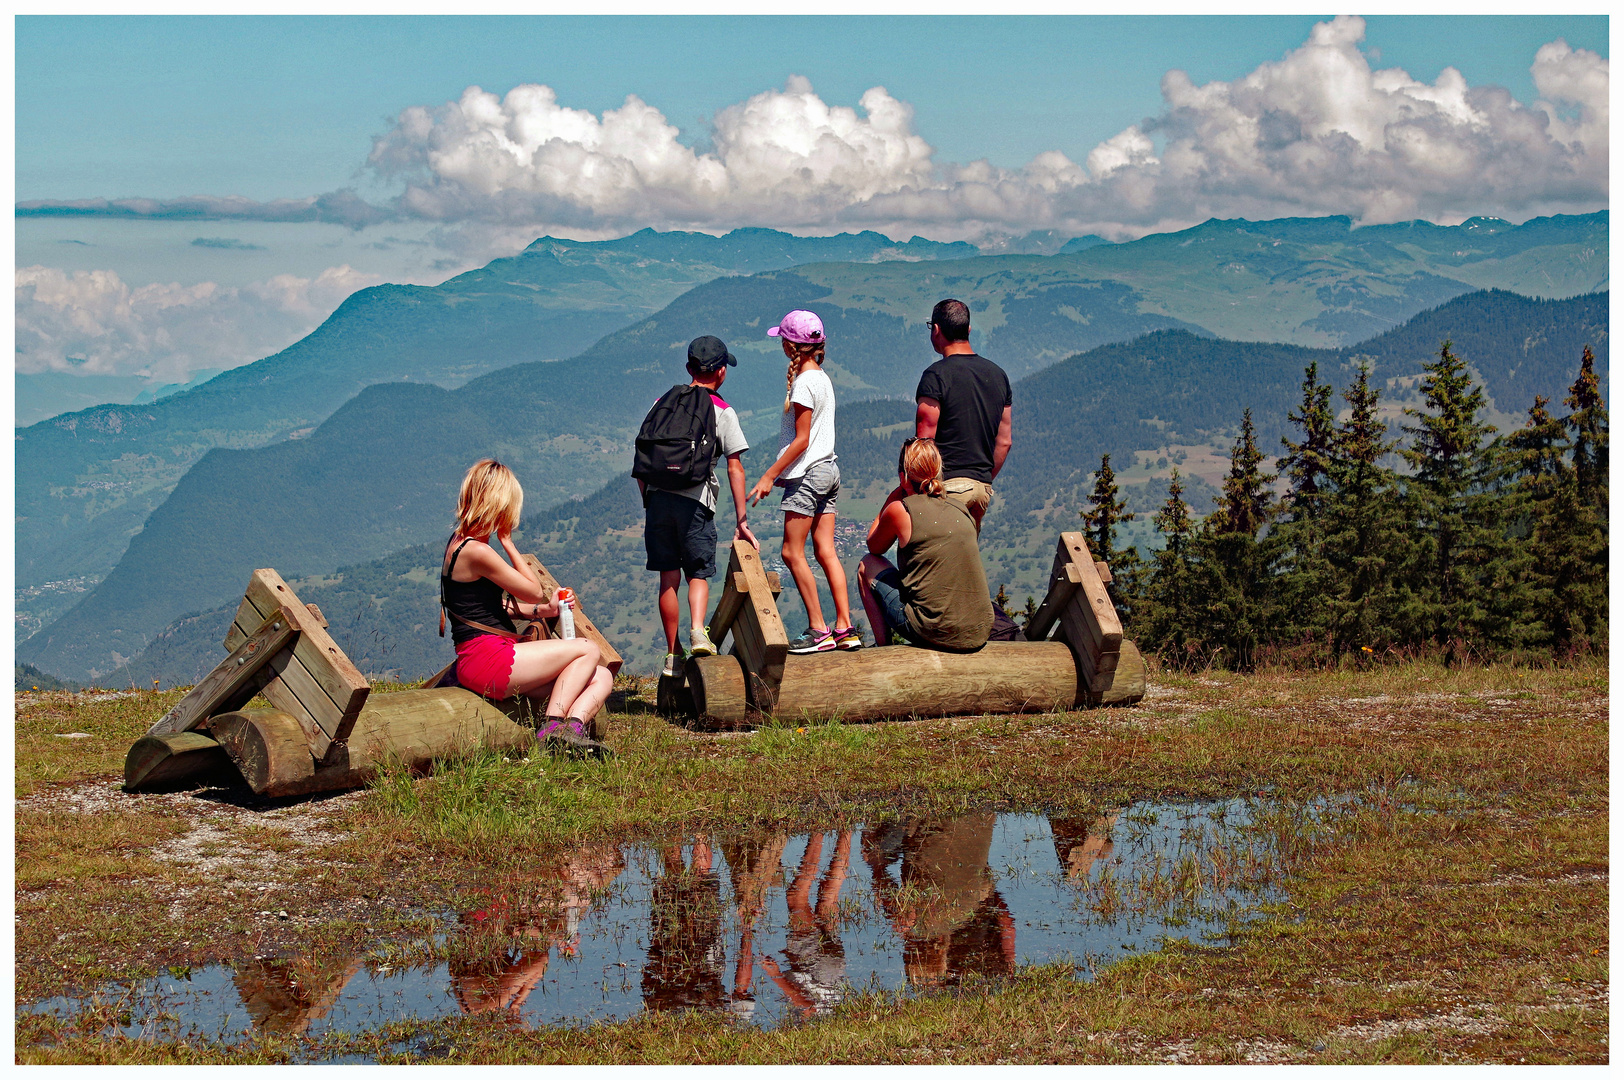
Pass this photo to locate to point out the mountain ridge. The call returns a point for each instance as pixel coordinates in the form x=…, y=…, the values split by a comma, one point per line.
x=381, y=474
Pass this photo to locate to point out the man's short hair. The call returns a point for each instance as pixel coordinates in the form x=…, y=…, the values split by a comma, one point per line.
x=952, y=318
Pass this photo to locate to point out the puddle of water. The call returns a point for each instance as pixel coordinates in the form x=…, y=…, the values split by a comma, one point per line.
x=764, y=930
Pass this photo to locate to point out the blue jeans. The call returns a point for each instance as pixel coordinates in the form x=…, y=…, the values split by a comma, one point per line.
x=887, y=589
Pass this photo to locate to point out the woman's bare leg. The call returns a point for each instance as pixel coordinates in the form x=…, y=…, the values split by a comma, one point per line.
x=567, y=663
x=589, y=701
x=796, y=528
x=823, y=543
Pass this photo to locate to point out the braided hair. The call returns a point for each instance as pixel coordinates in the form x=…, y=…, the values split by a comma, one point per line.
x=801, y=354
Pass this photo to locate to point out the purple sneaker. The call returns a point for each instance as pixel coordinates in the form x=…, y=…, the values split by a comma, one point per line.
x=569, y=737
x=813, y=641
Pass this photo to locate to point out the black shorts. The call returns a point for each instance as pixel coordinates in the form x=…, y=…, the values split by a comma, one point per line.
x=679, y=534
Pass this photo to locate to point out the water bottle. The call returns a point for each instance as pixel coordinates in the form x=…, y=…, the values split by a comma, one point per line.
x=566, y=619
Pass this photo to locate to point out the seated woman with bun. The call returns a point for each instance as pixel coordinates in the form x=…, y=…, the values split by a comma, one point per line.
x=936, y=596
x=561, y=675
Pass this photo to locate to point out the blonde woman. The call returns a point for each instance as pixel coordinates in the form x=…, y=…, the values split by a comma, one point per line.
x=936, y=594
x=807, y=472
x=562, y=676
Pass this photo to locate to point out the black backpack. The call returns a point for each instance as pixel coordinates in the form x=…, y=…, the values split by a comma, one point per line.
x=676, y=446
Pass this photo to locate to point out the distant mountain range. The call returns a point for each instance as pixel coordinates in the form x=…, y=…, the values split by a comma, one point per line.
x=86, y=480
x=380, y=475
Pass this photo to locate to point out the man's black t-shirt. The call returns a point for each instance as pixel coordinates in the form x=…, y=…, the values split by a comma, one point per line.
x=973, y=393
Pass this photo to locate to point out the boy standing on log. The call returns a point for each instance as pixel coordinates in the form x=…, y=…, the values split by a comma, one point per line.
x=964, y=404
x=675, y=468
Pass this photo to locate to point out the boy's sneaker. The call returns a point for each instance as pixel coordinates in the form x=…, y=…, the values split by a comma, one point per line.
x=672, y=665
x=813, y=641
x=699, y=642
x=848, y=638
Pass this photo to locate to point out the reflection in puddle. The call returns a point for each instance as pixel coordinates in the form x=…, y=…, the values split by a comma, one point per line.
x=764, y=929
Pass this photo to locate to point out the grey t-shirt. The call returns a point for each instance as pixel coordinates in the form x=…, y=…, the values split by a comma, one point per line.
x=812, y=389
x=729, y=440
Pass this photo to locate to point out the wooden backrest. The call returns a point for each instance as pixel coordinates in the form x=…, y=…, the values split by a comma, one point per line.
x=313, y=681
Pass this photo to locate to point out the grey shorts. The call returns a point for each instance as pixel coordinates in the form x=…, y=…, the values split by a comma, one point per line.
x=814, y=492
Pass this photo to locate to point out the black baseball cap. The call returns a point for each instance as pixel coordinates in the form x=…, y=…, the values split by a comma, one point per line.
x=708, y=353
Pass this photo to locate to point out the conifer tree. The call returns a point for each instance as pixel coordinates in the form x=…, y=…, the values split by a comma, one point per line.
x=1589, y=424
x=1540, y=482
x=1237, y=564
x=1169, y=625
x=1106, y=510
x=1306, y=465
x=1365, y=527
x=1463, y=580
x=1561, y=514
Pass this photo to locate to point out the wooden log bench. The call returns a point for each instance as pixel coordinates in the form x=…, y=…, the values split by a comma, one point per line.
x=323, y=729
x=1089, y=663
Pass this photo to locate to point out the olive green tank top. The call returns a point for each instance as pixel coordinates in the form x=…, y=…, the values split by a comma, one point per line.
x=944, y=588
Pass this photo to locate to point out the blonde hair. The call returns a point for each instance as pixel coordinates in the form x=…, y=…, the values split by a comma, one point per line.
x=803, y=352
x=921, y=463
x=490, y=500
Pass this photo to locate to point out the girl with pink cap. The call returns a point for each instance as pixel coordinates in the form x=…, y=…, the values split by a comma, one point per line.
x=810, y=479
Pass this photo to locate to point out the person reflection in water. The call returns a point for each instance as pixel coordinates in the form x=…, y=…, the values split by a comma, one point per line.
x=950, y=917
x=817, y=959
x=1081, y=842
x=685, y=955
x=755, y=864
x=506, y=944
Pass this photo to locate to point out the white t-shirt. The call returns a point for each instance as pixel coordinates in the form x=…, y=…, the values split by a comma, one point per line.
x=814, y=390
x=729, y=441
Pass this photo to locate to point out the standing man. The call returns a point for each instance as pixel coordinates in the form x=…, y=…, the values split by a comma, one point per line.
x=964, y=404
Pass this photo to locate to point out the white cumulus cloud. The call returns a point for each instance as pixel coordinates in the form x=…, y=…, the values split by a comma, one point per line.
x=1318, y=132
x=92, y=322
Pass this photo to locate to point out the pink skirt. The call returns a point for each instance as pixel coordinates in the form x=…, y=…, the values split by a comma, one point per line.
x=485, y=666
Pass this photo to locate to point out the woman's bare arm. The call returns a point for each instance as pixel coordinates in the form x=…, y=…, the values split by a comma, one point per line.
x=483, y=560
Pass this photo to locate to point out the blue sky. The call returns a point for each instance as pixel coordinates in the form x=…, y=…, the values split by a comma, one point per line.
x=259, y=170
x=286, y=107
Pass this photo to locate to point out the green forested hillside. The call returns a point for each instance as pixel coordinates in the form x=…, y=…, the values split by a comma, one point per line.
x=85, y=481
x=1167, y=399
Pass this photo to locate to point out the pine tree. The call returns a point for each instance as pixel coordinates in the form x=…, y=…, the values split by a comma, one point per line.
x=1106, y=510
x=1540, y=482
x=1236, y=563
x=1365, y=529
x=1168, y=625
x=1002, y=599
x=1246, y=505
x=1463, y=581
x=1589, y=425
x=1562, y=514
x=1306, y=465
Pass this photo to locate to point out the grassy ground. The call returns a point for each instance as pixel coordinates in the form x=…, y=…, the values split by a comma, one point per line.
x=1457, y=911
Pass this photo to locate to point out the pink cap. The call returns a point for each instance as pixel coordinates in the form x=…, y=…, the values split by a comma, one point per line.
x=799, y=326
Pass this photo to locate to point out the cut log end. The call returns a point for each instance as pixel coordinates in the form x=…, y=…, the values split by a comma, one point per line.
x=717, y=694
x=178, y=760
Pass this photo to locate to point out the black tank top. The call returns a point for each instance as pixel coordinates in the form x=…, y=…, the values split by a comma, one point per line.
x=478, y=601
